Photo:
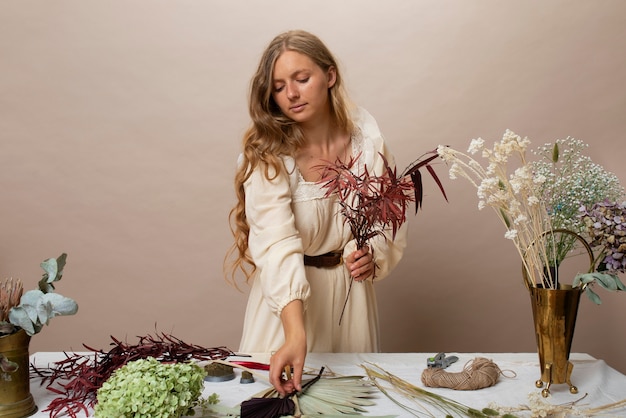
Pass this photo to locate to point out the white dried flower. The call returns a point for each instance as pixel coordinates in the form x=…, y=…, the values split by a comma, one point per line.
x=539, y=179
x=446, y=153
x=520, y=219
x=532, y=201
x=454, y=171
x=476, y=145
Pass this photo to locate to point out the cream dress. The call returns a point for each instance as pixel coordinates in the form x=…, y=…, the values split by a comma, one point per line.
x=290, y=217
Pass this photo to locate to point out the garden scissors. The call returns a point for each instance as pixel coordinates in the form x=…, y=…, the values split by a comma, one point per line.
x=440, y=361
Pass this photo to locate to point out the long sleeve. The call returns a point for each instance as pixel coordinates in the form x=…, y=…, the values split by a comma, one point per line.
x=274, y=242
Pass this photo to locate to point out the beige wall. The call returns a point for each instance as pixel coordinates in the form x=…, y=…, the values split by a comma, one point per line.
x=120, y=124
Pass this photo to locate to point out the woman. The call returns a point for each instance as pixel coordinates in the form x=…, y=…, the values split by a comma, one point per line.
x=290, y=239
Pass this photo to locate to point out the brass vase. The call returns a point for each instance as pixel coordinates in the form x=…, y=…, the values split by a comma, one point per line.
x=16, y=400
x=554, y=315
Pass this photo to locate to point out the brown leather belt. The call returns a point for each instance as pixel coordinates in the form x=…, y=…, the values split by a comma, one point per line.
x=327, y=260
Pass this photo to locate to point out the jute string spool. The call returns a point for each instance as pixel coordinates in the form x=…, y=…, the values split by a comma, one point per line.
x=477, y=374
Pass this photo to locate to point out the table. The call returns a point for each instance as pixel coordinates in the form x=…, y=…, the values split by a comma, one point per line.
x=602, y=384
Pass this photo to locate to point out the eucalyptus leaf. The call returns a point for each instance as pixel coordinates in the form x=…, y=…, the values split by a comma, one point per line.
x=31, y=312
x=53, y=268
x=61, y=260
x=50, y=266
x=29, y=302
x=607, y=281
x=583, y=279
x=60, y=304
x=38, y=306
x=593, y=296
x=31, y=297
x=44, y=312
x=19, y=317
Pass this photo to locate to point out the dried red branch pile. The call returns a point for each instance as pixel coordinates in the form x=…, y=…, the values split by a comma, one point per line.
x=77, y=378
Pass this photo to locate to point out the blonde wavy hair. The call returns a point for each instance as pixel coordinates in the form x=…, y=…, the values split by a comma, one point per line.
x=273, y=135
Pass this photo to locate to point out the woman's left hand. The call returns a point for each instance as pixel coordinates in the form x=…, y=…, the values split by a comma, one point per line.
x=361, y=264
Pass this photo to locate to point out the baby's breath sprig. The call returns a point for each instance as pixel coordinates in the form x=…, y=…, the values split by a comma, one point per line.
x=572, y=180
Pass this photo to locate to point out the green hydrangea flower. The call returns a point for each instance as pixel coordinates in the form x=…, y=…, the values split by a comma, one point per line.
x=147, y=388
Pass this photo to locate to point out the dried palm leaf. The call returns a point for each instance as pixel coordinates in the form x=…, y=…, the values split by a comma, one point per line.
x=322, y=396
x=345, y=394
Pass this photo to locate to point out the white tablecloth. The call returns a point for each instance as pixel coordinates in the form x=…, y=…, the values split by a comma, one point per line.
x=602, y=384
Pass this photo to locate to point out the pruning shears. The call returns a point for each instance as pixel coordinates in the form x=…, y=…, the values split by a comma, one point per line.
x=440, y=361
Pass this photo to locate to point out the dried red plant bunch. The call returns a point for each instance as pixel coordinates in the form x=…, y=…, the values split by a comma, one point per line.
x=77, y=378
x=369, y=203
x=374, y=203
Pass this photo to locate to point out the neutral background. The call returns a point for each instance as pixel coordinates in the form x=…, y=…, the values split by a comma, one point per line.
x=121, y=121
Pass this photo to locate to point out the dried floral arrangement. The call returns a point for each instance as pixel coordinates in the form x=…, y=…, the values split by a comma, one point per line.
x=78, y=377
x=535, y=201
x=373, y=204
x=32, y=310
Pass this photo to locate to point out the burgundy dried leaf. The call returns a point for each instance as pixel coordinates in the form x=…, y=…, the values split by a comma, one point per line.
x=416, y=177
x=415, y=166
x=431, y=170
x=267, y=407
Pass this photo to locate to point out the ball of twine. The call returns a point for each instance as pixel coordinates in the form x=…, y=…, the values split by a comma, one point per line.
x=477, y=374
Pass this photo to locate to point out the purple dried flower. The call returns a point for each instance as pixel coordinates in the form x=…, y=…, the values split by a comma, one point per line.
x=606, y=226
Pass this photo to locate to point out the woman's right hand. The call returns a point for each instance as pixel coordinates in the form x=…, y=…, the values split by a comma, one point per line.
x=292, y=353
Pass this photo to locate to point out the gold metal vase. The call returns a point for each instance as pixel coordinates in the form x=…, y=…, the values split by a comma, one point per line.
x=16, y=400
x=554, y=315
